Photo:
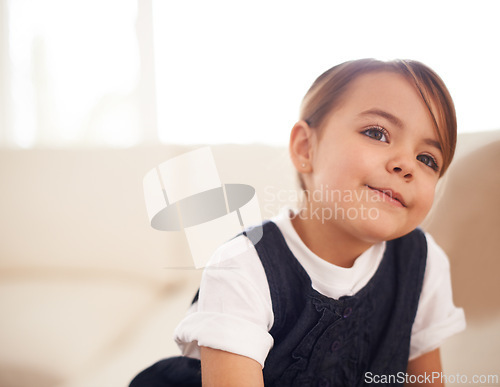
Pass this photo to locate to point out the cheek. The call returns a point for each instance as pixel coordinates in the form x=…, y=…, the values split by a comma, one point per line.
x=345, y=170
x=426, y=195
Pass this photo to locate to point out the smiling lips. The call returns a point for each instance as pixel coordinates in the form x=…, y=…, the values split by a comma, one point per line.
x=394, y=197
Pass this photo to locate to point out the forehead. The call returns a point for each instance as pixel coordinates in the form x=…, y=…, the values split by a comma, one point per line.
x=389, y=92
x=382, y=88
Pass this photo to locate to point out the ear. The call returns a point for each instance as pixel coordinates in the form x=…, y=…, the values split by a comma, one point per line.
x=301, y=147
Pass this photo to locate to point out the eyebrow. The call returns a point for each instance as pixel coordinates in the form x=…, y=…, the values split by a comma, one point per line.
x=382, y=113
x=397, y=122
x=434, y=143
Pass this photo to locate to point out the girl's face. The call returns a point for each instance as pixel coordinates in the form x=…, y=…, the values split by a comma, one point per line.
x=376, y=160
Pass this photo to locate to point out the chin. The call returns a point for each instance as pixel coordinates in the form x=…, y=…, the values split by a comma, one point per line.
x=379, y=231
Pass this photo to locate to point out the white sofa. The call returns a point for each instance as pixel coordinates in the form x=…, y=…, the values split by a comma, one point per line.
x=88, y=295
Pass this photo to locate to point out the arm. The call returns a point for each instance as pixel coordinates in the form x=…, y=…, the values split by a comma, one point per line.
x=226, y=369
x=425, y=365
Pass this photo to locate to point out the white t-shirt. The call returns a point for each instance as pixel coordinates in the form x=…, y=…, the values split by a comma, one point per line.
x=234, y=312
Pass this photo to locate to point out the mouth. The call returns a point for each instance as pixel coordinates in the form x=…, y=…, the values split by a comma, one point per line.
x=390, y=195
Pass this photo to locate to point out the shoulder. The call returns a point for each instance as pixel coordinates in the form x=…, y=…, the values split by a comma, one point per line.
x=242, y=244
x=236, y=260
x=236, y=249
x=438, y=264
x=423, y=245
x=437, y=316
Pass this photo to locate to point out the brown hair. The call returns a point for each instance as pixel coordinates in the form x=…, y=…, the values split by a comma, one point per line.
x=325, y=94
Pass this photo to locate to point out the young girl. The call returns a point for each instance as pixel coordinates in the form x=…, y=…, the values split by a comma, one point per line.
x=345, y=290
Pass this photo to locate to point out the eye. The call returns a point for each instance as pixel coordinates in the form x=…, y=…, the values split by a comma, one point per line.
x=377, y=133
x=429, y=161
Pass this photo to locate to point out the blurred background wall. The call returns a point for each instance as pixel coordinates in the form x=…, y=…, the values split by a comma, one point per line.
x=119, y=73
x=94, y=94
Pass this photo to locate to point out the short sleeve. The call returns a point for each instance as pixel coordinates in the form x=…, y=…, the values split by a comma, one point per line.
x=234, y=311
x=437, y=317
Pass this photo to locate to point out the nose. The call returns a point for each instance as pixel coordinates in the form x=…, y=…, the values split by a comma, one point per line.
x=401, y=166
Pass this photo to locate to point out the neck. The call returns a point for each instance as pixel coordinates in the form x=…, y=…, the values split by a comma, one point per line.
x=328, y=241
